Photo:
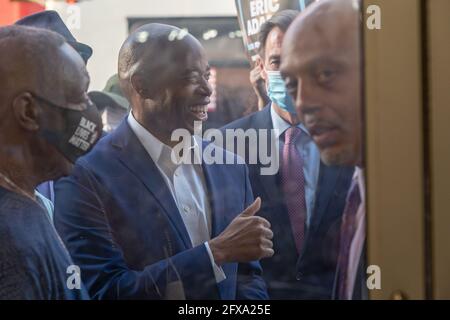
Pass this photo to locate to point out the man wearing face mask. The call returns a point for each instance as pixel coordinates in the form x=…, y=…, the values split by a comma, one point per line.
x=51, y=20
x=305, y=199
x=47, y=122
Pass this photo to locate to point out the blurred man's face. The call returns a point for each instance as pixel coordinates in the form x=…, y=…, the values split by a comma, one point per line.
x=112, y=117
x=186, y=92
x=321, y=66
x=272, y=51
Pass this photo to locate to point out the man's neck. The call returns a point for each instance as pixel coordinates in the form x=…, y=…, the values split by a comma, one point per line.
x=154, y=129
x=16, y=174
x=290, y=118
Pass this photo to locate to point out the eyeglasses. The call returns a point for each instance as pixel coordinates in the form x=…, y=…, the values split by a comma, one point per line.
x=71, y=106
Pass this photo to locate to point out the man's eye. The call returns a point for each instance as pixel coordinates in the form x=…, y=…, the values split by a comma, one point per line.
x=275, y=63
x=291, y=86
x=325, y=76
x=207, y=76
x=191, y=79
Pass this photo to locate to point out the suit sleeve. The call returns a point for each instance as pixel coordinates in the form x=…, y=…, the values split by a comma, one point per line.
x=250, y=284
x=82, y=224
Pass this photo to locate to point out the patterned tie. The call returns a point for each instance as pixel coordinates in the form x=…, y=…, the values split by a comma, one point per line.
x=293, y=183
x=348, y=229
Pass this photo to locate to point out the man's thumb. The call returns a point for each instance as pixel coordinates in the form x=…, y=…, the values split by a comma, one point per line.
x=252, y=209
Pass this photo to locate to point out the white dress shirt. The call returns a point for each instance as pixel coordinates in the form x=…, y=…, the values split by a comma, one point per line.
x=186, y=183
x=310, y=155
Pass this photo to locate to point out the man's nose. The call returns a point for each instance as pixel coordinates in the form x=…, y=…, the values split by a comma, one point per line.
x=305, y=100
x=205, y=88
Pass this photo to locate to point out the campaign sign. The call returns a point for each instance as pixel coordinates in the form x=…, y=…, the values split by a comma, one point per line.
x=253, y=13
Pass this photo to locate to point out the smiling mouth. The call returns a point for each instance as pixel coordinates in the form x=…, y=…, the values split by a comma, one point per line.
x=200, y=112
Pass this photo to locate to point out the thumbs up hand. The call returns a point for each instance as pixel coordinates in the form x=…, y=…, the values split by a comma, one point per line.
x=247, y=238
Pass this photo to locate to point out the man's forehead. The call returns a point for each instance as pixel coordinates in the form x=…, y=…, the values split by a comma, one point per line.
x=194, y=60
x=196, y=66
x=313, y=40
x=74, y=78
x=275, y=36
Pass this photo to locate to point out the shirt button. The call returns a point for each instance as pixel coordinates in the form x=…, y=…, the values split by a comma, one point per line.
x=186, y=209
x=299, y=276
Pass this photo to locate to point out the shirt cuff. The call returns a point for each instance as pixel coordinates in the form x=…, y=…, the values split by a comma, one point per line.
x=218, y=271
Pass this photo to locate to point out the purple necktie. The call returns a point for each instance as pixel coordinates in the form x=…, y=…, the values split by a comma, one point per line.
x=348, y=229
x=293, y=183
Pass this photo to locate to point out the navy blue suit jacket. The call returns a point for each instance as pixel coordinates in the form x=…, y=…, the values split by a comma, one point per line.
x=287, y=275
x=121, y=225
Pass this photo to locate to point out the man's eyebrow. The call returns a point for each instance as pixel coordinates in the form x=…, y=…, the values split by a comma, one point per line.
x=189, y=70
x=195, y=70
x=274, y=56
x=321, y=60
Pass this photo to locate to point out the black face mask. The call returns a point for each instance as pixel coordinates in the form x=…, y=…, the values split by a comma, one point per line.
x=78, y=132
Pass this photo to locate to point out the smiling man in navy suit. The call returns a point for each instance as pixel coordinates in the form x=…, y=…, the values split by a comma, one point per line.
x=141, y=226
x=305, y=199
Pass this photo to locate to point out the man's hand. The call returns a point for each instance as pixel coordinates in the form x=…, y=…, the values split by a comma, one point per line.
x=259, y=84
x=247, y=238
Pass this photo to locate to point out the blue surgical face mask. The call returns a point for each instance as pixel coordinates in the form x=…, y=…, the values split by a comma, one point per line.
x=277, y=92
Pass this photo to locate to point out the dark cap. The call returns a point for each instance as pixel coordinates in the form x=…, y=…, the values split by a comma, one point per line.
x=51, y=20
x=111, y=96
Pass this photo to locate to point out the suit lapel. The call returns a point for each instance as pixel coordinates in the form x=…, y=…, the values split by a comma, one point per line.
x=328, y=178
x=269, y=182
x=133, y=156
x=214, y=183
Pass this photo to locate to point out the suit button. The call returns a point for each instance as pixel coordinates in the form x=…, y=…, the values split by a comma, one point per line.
x=299, y=276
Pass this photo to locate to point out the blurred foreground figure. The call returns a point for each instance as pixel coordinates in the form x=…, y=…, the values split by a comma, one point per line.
x=140, y=224
x=321, y=63
x=46, y=122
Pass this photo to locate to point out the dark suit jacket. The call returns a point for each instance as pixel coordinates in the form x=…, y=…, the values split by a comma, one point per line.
x=360, y=290
x=287, y=275
x=122, y=227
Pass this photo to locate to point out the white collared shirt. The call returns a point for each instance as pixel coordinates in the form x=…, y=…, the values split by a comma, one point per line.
x=310, y=155
x=186, y=183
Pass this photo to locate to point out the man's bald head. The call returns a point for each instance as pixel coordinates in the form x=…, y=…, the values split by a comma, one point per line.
x=154, y=53
x=334, y=24
x=321, y=62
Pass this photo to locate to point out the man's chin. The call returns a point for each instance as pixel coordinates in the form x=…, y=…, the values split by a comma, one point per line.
x=194, y=127
x=339, y=156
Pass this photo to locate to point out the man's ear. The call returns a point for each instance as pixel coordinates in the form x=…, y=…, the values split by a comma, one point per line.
x=137, y=85
x=26, y=112
x=141, y=86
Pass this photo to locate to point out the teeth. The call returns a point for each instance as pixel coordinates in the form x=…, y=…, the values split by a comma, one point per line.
x=198, y=108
